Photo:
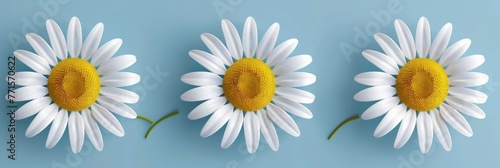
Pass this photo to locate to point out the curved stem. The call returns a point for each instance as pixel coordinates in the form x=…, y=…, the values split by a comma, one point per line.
x=342, y=124
x=145, y=119
x=160, y=120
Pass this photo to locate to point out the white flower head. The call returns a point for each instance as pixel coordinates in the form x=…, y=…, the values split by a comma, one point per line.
x=251, y=84
x=424, y=84
x=74, y=85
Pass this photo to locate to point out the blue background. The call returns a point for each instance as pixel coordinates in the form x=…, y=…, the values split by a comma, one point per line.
x=160, y=34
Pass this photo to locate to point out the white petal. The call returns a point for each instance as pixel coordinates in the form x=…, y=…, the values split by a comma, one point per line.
x=42, y=48
x=76, y=129
x=405, y=39
x=206, y=108
x=464, y=64
x=295, y=79
x=217, y=120
x=283, y=120
x=440, y=42
x=375, y=79
x=454, y=52
x=292, y=107
x=106, y=51
x=33, y=61
x=406, y=128
x=116, y=64
x=424, y=130
x=74, y=37
x=42, y=120
x=29, y=78
x=390, y=48
x=423, y=37
x=107, y=120
x=441, y=130
x=298, y=95
x=380, y=108
x=382, y=61
x=202, y=93
x=32, y=107
x=281, y=51
x=233, y=40
x=233, y=129
x=217, y=48
x=92, y=130
x=120, y=79
x=120, y=95
x=249, y=39
x=57, y=40
x=201, y=78
x=468, y=79
x=30, y=92
x=455, y=120
x=390, y=120
x=57, y=129
x=252, y=132
x=292, y=64
x=268, y=41
x=465, y=107
x=116, y=107
x=268, y=130
x=92, y=41
x=469, y=95
x=375, y=93
x=208, y=61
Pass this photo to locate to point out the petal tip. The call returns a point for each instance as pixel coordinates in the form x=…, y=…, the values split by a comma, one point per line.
x=276, y=24
x=378, y=35
x=120, y=134
x=225, y=22
x=100, y=24
x=447, y=148
x=191, y=117
x=48, y=145
x=398, y=21
x=99, y=148
x=204, y=135
x=295, y=132
x=49, y=21
x=29, y=134
x=365, y=117
x=274, y=148
x=308, y=116
x=204, y=35
x=469, y=134
x=251, y=150
x=397, y=146
x=448, y=26
x=184, y=97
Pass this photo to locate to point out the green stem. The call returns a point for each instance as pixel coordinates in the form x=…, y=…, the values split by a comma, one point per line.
x=160, y=120
x=342, y=124
x=145, y=119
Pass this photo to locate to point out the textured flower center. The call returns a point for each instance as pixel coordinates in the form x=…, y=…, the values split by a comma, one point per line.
x=249, y=84
x=422, y=84
x=74, y=84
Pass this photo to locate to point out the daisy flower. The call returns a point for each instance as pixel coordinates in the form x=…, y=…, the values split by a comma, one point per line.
x=250, y=85
x=74, y=85
x=423, y=85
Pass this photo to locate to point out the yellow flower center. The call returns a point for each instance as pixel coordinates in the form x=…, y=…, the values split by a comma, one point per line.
x=74, y=84
x=422, y=84
x=249, y=84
